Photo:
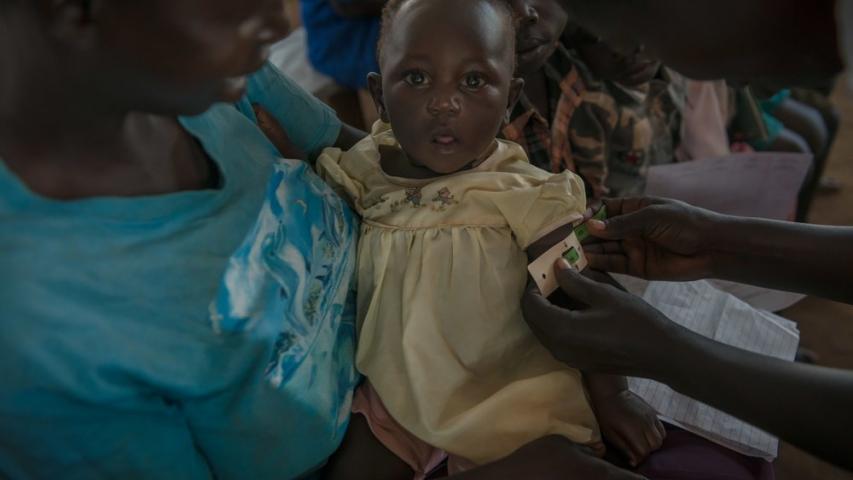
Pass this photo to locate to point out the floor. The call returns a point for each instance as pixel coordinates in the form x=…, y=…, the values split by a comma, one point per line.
x=827, y=327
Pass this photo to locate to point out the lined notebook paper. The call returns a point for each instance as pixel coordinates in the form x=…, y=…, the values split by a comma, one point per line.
x=713, y=313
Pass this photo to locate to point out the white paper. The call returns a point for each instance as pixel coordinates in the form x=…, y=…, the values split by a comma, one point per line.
x=759, y=297
x=720, y=316
x=762, y=185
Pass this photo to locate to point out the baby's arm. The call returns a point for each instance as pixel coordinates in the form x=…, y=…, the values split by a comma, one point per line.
x=626, y=420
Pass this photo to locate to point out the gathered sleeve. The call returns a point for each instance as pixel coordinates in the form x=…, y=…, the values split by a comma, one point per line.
x=544, y=205
x=355, y=174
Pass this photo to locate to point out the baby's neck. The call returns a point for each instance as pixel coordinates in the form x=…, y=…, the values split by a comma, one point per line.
x=394, y=162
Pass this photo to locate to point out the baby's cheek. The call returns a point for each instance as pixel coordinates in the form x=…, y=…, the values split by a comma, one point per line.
x=483, y=119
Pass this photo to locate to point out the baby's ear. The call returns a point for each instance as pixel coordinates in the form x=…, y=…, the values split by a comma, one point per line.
x=374, y=84
x=516, y=87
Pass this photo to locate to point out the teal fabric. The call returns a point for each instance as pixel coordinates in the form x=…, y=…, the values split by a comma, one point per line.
x=774, y=126
x=195, y=335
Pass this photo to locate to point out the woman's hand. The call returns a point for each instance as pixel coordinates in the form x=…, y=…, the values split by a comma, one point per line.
x=617, y=333
x=653, y=238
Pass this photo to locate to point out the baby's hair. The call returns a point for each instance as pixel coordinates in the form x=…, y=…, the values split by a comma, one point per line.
x=394, y=6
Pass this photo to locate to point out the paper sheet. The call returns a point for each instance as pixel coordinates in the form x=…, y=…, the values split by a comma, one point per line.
x=758, y=297
x=715, y=314
x=762, y=185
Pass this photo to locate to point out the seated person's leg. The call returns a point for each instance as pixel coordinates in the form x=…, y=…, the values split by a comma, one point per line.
x=807, y=122
x=685, y=456
x=789, y=141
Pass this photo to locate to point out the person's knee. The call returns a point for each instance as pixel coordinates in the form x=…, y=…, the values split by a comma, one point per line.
x=807, y=122
x=789, y=141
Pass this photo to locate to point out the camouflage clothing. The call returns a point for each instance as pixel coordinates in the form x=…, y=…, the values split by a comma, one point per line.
x=606, y=133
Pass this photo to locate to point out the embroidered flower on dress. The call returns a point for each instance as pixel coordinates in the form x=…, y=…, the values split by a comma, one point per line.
x=443, y=199
x=414, y=196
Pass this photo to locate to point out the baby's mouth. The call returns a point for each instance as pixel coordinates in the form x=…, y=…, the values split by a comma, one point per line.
x=445, y=140
x=444, y=137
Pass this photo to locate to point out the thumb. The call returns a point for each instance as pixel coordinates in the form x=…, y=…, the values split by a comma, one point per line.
x=578, y=287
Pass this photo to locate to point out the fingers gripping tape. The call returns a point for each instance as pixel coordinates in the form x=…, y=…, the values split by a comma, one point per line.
x=542, y=269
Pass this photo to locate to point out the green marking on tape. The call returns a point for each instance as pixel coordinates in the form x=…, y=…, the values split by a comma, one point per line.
x=582, y=232
x=572, y=256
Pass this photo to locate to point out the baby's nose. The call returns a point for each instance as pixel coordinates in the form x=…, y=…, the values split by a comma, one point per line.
x=444, y=105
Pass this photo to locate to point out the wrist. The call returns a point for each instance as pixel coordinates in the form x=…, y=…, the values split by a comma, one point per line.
x=603, y=387
x=719, y=237
x=691, y=351
x=712, y=229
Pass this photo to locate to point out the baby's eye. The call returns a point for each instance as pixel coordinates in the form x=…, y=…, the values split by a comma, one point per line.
x=474, y=81
x=416, y=79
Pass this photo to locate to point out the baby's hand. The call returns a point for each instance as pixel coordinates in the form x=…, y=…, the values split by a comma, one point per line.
x=631, y=425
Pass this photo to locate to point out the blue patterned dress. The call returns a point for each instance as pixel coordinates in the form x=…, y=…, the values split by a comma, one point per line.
x=184, y=335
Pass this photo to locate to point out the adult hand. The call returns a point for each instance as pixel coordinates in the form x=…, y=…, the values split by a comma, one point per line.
x=652, y=238
x=618, y=333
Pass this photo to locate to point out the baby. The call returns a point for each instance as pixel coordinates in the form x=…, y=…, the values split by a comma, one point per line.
x=450, y=214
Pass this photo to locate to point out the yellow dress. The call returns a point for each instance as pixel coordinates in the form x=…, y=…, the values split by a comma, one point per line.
x=441, y=273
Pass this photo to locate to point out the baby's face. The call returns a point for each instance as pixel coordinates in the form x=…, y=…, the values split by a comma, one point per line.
x=447, y=71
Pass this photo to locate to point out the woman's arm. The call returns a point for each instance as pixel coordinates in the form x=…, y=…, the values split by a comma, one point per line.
x=812, y=259
x=348, y=137
x=662, y=239
x=273, y=130
x=805, y=405
x=306, y=124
